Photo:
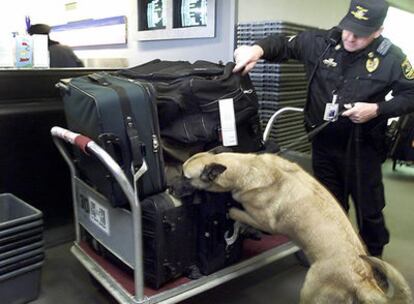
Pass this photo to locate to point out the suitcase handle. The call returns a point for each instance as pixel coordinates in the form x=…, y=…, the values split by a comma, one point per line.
x=63, y=87
x=99, y=78
x=112, y=145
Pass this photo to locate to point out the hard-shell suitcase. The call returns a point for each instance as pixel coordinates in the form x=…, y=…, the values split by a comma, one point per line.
x=169, y=239
x=213, y=226
x=120, y=115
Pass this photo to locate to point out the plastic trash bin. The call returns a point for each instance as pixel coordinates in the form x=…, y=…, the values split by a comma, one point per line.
x=21, y=235
x=21, y=286
x=15, y=212
x=21, y=250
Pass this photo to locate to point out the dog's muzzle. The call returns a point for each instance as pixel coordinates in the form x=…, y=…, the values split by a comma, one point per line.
x=180, y=187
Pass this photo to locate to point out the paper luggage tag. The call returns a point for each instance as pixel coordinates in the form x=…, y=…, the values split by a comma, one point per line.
x=228, y=122
x=331, y=112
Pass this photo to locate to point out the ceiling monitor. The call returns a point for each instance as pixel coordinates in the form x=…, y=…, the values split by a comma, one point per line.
x=190, y=13
x=176, y=19
x=152, y=14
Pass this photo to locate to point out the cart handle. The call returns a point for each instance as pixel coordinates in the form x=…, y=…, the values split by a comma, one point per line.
x=272, y=119
x=79, y=140
x=88, y=145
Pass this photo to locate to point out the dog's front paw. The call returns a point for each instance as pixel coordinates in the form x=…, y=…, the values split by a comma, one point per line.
x=234, y=214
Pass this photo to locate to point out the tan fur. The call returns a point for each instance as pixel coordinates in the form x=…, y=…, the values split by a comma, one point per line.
x=279, y=197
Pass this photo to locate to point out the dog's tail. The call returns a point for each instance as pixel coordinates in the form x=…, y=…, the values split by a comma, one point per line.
x=393, y=288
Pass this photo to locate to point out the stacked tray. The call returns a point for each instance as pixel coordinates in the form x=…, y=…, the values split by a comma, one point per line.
x=278, y=85
x=21, y=250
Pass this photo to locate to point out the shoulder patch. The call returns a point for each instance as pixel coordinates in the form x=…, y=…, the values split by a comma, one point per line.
x=384, y=47
x=407, y=69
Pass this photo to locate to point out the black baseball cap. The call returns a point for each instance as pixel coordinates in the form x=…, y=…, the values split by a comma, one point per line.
x=364, y=17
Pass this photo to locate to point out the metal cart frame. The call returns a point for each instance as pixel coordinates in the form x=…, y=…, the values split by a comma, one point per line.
x=113, y=286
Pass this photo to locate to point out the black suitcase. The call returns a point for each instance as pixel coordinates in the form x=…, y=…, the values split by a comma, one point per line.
x=213, y=225
x=169, y=239
x=121, y=116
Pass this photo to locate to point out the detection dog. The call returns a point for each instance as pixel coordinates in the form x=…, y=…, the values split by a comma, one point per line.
x=279, y=197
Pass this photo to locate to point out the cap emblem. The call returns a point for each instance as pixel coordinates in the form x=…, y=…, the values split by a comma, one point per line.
x=360, y=13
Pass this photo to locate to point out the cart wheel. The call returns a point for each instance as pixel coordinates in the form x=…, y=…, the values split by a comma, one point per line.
x=302, y=259
x=194, y=273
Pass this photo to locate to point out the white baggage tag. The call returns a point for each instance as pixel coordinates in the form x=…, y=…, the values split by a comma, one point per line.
x=228, y=122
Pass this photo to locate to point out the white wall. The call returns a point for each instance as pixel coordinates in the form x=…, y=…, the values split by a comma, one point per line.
x=325, y=14
x=396, y=29
x=53, y=12
x=317, y=13
x=212, y=49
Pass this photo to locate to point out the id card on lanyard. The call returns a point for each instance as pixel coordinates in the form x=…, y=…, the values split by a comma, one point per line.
x=331, y=110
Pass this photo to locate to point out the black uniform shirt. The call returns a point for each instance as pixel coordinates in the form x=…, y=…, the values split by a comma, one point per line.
x=364, y=76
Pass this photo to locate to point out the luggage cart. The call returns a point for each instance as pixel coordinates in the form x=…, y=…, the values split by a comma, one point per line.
x=120, y=230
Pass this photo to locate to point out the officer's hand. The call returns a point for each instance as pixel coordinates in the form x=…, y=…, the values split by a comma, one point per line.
x=246, y=58
x=361, y=112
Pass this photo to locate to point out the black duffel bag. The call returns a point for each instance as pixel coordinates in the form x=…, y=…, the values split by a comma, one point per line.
x=187, y=96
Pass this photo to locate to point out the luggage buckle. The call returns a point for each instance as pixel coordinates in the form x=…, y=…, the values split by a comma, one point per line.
x=230, y=240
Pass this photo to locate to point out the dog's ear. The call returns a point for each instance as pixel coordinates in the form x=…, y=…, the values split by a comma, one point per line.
x=211, y=171
x=220, y=149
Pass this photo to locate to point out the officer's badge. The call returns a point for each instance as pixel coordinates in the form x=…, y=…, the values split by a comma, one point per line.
x=407, y=69
x=372, y=64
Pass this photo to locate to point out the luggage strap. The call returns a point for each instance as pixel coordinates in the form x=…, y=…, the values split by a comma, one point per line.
x=130, y=126
x=136, y=146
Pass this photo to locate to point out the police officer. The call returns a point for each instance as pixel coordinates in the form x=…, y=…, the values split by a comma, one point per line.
x=350, y=69
x=61, y=56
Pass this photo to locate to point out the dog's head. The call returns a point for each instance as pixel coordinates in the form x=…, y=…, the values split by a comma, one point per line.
x=207, y=171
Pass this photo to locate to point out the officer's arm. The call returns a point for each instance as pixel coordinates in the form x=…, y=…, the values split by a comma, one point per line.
x=278, y=48
x=403, y=91
x=275, y=48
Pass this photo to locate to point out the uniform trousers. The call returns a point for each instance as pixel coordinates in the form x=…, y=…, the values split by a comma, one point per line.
x=346, y=172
